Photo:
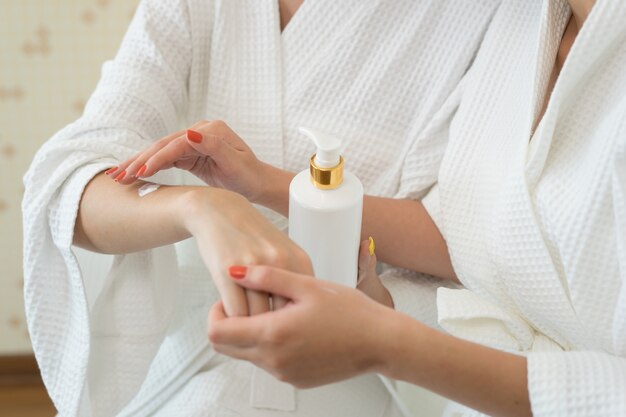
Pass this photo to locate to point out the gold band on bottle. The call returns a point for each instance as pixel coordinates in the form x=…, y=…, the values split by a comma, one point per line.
x=327, y=178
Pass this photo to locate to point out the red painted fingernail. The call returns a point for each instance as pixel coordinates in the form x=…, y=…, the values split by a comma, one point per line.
x=141, y=171
x=110, y=170
x=120, y=176
x=237, y=271
x=194, y=136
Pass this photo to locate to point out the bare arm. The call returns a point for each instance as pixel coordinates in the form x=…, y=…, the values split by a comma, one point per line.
x=482, y=378
x=228, y=230
x=113, y=219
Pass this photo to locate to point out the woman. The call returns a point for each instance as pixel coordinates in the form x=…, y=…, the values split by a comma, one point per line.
x=535, y=231
x=382, y=75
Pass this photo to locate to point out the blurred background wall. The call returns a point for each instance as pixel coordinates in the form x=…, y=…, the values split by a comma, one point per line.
x=50, y=58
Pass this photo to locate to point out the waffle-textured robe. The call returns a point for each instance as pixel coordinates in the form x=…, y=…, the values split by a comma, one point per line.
x=382, y=75
x=536, y=222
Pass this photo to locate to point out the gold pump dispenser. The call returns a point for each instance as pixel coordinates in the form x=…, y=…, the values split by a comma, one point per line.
x=326, y=166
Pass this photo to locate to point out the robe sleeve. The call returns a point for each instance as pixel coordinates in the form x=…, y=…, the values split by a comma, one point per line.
x=577, y=384
x=141, y=97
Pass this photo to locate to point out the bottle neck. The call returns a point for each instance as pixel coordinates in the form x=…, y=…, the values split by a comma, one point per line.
x=326, y=178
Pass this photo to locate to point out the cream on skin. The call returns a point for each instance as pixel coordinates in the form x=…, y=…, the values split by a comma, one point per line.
x=313, y=341
x=147, y=188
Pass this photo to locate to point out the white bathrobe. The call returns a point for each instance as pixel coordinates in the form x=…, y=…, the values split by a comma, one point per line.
x=382, y=75
x=537, y=228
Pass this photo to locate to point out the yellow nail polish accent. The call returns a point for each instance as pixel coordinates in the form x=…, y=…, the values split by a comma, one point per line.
x=372, y=247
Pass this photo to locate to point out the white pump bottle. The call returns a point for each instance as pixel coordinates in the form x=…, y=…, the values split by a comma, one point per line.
x=325, y=209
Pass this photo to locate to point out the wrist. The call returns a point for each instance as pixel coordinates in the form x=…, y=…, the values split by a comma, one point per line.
x=274, y=188
x=384, y=337
x=198, y=206
x=398, y=344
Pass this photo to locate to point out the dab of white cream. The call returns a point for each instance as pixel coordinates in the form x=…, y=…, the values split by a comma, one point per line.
x=147, y=188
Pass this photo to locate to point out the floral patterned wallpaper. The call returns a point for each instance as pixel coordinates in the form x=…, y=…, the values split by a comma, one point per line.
x=50, y=58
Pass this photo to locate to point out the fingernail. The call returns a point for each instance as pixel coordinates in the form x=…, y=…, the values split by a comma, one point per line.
x=372, y=246
x=141, y=171
x=194, y=136
x=120, y=176
x=110, y=170
x=237, y=271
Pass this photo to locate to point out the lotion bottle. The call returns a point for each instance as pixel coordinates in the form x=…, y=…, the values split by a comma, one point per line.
x=325, y=210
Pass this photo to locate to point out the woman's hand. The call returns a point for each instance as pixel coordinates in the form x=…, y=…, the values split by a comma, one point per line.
x=230, y=231
x=329, y=332
x=213, y=152
x=326, y=333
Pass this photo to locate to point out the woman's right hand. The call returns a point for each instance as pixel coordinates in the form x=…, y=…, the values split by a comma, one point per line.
x=230, y=231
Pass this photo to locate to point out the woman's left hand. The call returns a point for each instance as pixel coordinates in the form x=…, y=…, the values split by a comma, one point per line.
x=326, y=333
x=213, y=152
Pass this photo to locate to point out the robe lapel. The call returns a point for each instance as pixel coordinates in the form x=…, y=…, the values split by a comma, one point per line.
x=532, y=275
x=581, y=62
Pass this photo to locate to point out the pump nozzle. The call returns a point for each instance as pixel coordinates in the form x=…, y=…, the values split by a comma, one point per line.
x=327, y=163
x=327, y=155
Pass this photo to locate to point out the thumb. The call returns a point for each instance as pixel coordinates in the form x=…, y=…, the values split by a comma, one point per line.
x=367, y=260
x=272, y=280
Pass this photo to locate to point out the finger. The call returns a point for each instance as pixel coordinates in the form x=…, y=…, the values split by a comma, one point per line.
x=273, y=280
x=258, y=302
x=114, y=173
x=217, y=312
x=235, y=331
x=127, y=171
x=367, y=259
x=278, y=302
x=237, y=352
x=175, y=151
x=233, y=297
x=139, y=168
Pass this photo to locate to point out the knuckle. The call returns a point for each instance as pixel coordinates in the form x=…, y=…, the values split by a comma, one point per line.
x=276, y=256
x=218, y=124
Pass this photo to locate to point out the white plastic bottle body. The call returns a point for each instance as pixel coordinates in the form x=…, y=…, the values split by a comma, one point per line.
x=327, y=225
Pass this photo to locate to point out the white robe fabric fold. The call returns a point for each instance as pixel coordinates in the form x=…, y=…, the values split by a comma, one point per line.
x=382, y=75
x=536, y=230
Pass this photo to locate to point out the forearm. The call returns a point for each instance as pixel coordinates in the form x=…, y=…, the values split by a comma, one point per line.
x=405, y=234
x=112, y=218
x=489, y=380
